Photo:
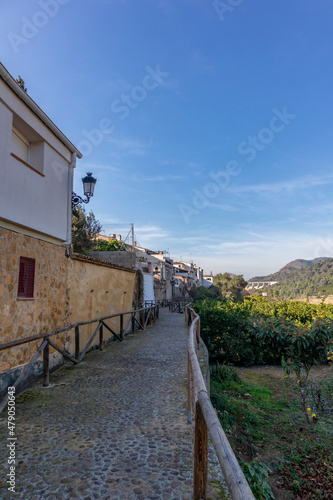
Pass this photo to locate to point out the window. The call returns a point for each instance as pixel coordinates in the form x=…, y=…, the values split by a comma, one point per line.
x=144, y=267
x=20, y=145
x=26, y=278
x=28, y=147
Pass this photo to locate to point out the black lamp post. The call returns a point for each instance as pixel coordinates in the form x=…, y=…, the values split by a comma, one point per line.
x=88, y=189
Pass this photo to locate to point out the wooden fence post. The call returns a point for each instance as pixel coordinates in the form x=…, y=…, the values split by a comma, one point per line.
x=200, y=455
x=46, y=365
x=101, y=337
x=77, y=343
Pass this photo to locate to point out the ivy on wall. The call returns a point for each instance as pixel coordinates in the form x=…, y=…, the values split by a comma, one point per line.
x=140, y=289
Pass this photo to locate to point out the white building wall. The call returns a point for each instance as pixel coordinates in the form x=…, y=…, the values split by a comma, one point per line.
x=29, y=199
x=148, y=287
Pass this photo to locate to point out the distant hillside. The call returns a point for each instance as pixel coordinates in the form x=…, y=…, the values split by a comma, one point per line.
x=289, y=268
x=301, y=278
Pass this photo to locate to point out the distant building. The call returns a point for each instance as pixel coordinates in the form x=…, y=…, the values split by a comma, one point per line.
x=208, y=280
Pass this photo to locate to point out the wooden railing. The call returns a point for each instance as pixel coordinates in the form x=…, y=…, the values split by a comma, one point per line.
x=203, y=418
x=138, y=319
x=177, y=305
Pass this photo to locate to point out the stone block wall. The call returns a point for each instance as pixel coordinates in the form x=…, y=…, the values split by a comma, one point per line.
x=20, y=318
x=120, y=258
x=97, y=289
x=66, y=291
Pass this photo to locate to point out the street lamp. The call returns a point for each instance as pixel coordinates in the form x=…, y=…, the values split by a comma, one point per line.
x=88, y=189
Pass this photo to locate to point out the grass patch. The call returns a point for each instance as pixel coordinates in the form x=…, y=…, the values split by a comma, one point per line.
x=261, y=413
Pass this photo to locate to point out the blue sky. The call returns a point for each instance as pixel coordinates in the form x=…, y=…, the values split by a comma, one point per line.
x=208, y=124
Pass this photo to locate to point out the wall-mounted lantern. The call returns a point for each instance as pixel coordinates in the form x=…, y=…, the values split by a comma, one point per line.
x=156, y=271
x=88, y=189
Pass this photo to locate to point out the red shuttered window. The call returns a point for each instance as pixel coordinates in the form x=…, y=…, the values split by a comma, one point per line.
x=26, y=278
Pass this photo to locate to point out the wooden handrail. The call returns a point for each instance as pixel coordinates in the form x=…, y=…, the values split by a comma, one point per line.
x=204, y=418
x=26, y=340
x=152, y=314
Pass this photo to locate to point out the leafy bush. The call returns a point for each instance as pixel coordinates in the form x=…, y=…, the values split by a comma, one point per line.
x=256, y=474
x=228, y=335
x=109, y=246
x=298, y=347
x=257, y=331
x=221, y=373
x=201, y=293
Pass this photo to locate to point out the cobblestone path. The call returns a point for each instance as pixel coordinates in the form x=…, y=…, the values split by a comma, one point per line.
x=112, y=427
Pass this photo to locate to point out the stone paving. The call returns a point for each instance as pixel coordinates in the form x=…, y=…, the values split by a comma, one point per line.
x=112, y=427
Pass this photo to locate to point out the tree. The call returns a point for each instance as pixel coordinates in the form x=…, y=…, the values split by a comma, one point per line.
x=110, y=246
x=21, y=83
x=84, y=230
x=201, y=293
x=230, y=286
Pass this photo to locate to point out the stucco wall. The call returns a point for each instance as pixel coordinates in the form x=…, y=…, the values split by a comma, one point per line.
x=47, y=311
x=148, y=287
x=95, y=290
x=40, y=201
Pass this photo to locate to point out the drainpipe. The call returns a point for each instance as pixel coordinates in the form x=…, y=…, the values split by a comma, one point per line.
x=69, y=202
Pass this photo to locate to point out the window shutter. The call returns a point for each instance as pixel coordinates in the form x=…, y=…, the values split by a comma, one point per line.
x=26, y=281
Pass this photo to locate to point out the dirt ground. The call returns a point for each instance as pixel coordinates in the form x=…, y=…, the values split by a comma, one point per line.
x=285, y=432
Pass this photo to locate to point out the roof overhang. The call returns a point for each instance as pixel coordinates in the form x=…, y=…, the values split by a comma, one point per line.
x=10, y=81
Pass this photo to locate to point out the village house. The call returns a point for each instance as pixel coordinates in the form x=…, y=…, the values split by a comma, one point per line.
x=37, y=162
x=43, y=287
x=156, y=267
x=208, y=280
x=186, y=272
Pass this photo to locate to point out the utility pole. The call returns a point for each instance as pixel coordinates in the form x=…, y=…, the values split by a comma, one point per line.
x=132, y=226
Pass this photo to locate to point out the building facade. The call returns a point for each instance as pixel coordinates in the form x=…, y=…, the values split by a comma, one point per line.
x=37, y=163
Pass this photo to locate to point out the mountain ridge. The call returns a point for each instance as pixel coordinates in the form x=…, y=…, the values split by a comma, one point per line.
x=301, y=278
x=289, y=268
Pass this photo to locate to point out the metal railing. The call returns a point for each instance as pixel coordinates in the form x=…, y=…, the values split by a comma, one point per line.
x=138, y=319
x=203, y=417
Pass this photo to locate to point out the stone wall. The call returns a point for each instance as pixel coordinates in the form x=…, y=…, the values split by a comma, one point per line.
x=20, y=318
x=66, y=291
x=97, y=289
x=120, y=258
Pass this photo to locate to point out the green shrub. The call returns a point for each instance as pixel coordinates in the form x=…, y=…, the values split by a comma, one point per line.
x=256, y=474
x=256, y=331
x=221, y=373
x=109, y=246
x=228, y=335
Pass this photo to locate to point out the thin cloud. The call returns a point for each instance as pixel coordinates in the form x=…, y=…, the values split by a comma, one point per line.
x=132, y=146
x=226, y=207
x=287, y=186
x=94, y=167
x=159, y=178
